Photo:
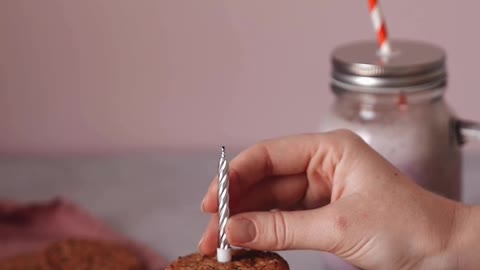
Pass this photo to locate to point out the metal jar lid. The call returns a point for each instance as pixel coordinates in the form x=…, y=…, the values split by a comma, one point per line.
x=413, y=66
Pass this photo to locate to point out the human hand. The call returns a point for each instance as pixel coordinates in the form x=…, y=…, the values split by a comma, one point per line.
x=331, y=192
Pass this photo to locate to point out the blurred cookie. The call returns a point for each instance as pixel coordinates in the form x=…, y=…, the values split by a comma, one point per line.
x=241, y=260
x=90, y=255
x=25, y=262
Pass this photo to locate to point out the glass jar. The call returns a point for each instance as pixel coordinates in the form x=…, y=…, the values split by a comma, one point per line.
x=419, y=137
x=396, y=105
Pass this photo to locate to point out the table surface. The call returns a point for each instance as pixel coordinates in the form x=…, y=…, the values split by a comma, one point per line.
x=151, y=197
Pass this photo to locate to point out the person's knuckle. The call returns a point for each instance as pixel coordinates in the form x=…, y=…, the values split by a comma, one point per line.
x=346, y=135
x=263, y=149
x=349, y=138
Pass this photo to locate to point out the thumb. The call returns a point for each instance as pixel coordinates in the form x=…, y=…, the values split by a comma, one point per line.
x=281, y=230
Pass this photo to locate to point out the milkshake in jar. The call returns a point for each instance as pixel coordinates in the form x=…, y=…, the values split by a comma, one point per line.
x=396, y=105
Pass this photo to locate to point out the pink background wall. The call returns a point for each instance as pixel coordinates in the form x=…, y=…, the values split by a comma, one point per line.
x=116, y=75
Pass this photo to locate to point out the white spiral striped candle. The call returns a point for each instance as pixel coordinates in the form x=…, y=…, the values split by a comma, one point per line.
x=223, y=250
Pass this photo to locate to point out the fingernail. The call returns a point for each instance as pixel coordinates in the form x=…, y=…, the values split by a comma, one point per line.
x=242, y=230
x=200, y=242
x=202, y=208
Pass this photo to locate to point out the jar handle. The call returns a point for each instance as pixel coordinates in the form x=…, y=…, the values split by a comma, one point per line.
x=468, y=131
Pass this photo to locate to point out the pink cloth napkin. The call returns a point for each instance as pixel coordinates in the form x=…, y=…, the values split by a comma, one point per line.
x=30, y=227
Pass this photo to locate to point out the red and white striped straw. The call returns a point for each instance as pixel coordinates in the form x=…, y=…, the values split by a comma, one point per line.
x=379, y=26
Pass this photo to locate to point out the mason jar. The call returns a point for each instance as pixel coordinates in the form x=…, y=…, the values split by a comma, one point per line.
x=396, y=104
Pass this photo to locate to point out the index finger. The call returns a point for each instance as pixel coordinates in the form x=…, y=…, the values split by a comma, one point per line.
x=285, y=156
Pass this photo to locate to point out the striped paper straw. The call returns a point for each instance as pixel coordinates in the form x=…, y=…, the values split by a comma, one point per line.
x=379, y=26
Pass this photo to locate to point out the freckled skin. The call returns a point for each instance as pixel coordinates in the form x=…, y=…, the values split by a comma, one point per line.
x=342, y=223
